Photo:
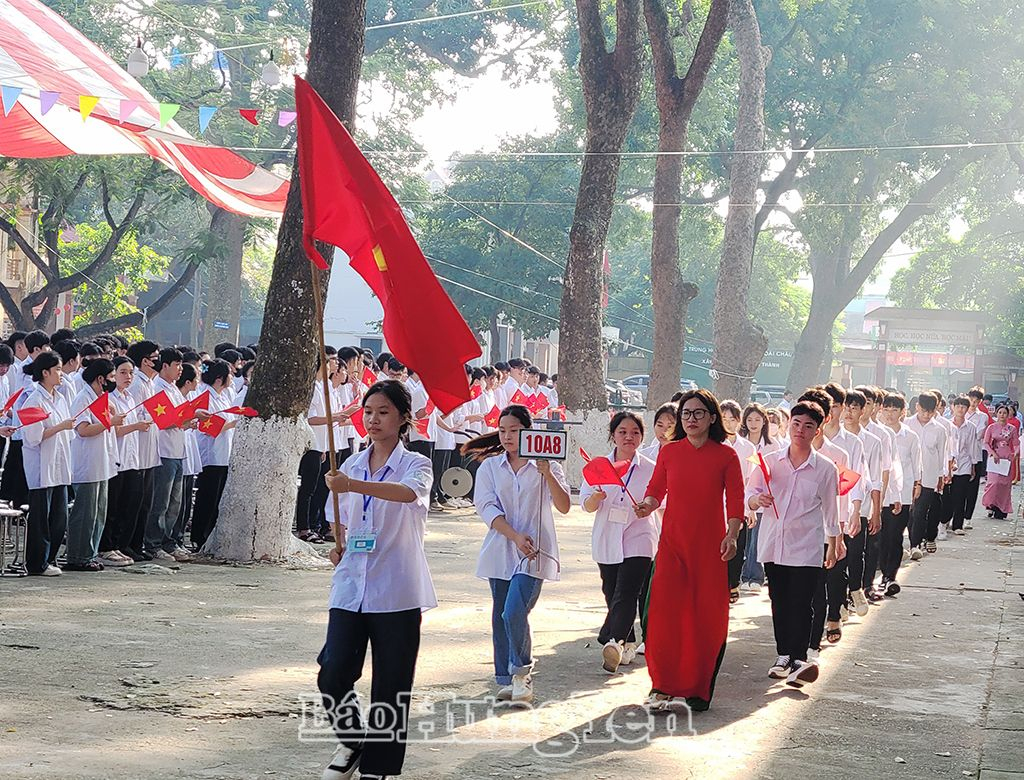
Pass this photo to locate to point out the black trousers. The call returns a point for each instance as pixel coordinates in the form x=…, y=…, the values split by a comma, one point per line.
x=312, y=498
x=960, y=498
x=855, y=554
x=623, y=588
x=440, y=461
x=423, y=448
x=872, y=545
x=13, y=486
x=143, y=509
x=210, y=487
x=735, y=566
x=792, y=589
x=188, y=491
x=394, y=639
x=47, y=524
x=924, y=517
x=124, y=494
x=890, y=551
x=821, y=605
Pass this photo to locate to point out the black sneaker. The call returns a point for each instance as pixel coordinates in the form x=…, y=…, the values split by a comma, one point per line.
x=343, y=764
x=892, y=588
x=873, y=596
x=137, y=555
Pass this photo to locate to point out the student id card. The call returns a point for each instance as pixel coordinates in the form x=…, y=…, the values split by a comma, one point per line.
x=619, y=515
x=362, y=541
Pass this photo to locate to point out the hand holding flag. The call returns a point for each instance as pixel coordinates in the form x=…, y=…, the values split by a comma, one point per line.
x=601, y=471
x=758, y=460
x=213, y=425
x=12, y=400
x=244, y=411
x=519, y=397
x=164, y=413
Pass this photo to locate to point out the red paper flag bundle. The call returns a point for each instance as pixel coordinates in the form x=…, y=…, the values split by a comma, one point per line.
x=538, y=403
x=213, y=425
x=601, y=471
x=345, y=203
x=30, y=415
x=164, y=413
x=244, y=411
x=12, y=400
x=188, y=410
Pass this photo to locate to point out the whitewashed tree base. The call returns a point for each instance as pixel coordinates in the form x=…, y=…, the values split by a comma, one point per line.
x=592, y=436
x=258, y=506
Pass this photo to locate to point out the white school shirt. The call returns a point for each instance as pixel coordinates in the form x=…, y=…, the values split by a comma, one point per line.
x=908, y=455
x=872, y=462
x=215, y=451
x=346, y=394
x=69, y=388
x=967, y=448
x=934, y=446
x=885, y=438
x=950, y=443
x=979, y=420
x=890, y=462
x=839, y=457
x=618, y=532
x=141, y=389
x=525, y=501
x=47, y=463
x=171, y=442
x=445, y=439
x=651, y=450
x=395, y=576
x=127, y=445
x=508, y=389
x=419, y=401
x=807, y=500
x=93, y=458
x=317, y=409
x=744, y=449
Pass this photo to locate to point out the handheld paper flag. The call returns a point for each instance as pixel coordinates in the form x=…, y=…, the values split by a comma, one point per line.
x=848, y=478
x=164, y=413
x=245, y=411
x=492, y=417
x=12, y=400
x=212, y=426
x=100, y=409
x=30, y=415
x=356, y=421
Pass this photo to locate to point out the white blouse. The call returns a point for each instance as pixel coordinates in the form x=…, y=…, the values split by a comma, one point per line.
x=142, y=389
x=393, y=577
x=525, y=502
x=93, y=458
x=215, y=451
x=127, y=445
x=618, y=532
x=47, y=463
x=172, y=440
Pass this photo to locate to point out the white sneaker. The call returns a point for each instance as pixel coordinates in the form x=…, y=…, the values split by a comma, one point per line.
x=780, y=669
x=968, y=525
x=181, y=555
x=504, y=693
x=657, y=702
x=641, y=649
x=522, y=688
x=960, y=532
x=844, y=613
x=916, y=554
x=860, y=603
x=943, y=534
x=813, y=655
x=162, y=555
x=612, y=656
x=803, y=672
x=343, y=764
x=755, y=587
x=628, y=653
x=52, y=571
x=114, y=560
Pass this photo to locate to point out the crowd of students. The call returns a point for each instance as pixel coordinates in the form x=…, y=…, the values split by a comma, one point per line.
x=823, y=502
x=88, y=458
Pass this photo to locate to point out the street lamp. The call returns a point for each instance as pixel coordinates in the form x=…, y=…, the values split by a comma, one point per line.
x=271, y=74
x=138, y=62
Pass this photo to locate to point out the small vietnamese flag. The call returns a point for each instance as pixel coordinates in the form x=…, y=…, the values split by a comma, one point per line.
x=474, y=392
x=164, y=413
x=212, y=426
x=767, y=479
x=519, y=397
x=540, y=403
x=369, y=378
x=100, y=409
x=245, y=411
x=30, y=415
x=423, y=426
x=492, y=417
x=11, y=401
x=188, y=410
x=848, y=478
x=356, y=421
x=601, y=471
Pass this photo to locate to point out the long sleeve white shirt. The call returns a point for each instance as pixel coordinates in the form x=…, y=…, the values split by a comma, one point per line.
x=47, y=463
x=618, y=533
x=93, y=458
x=934, y=448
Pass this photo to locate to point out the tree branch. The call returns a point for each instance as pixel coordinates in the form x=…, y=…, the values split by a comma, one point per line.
x=14, y=234
x=704, y=56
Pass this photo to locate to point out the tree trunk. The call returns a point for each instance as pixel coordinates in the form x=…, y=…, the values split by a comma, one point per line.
x=495, y=339
x=676, y=97
x=224, y=280
x=814, y=344
x=259, y=499
x=739, y=344
x=611, y=88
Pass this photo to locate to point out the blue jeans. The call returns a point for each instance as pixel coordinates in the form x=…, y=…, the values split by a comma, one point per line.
x=752, y=570
x=86, y=521
x=510, y=626
x=167, y=485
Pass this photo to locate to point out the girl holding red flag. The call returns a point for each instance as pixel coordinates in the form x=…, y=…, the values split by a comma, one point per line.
x=214, y=451
x=47, y=461
x=514, y=498
x=93, y=464
x=623, y=544
x=688, y=618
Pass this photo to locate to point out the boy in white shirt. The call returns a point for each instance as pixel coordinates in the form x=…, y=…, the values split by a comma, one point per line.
x=924, y=518
x=902, y=493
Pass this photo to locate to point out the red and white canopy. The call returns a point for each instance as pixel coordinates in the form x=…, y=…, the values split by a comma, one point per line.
x=40, y=52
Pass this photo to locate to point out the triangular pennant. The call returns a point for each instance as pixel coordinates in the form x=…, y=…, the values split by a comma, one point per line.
x=205, y=115
x=285, y=118
x=128, y=108
x=10, y=98
x=47, y=100
x=167, y=112
x=249, y=115
x=86, y=104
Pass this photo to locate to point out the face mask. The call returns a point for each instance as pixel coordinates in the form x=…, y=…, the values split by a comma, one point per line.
x=109, y=387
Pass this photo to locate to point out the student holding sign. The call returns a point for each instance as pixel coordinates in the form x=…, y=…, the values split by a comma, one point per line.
x=514, y=498
x=623, y=544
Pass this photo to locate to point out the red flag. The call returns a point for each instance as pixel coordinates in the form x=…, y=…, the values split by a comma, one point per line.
x=423, y=426
x=11, y=401
x=356, y=421
x=848, y=478
x=100, y=409
x=492, y=417
x=188, y=409
x=369, y=378
x=540, y=403
x=474, y=392
x=345, y=204
x=212, y=426
x=519, y=397
x=767, y=481
x=164, y=413
x=245, y=411
x=30, y=415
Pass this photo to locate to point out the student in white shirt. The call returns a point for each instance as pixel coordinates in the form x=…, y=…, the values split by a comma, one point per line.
x=188, y=384
x=924, y=514
x=745, y=450
x=967, y=457
x=6, y=363
x=623, y=544
x=47, y=466
x=799, y=534
x=863, y=531
x=214, y=451
x=71, y=364
x=93, y=464
x=27, y=347
x=664, y=430
x=145, y=355
x=380, y=588
x=980, y=419
x=946, y=504
x=514, y=498
x=902, y=491
x=125, y=489
x=755, y=429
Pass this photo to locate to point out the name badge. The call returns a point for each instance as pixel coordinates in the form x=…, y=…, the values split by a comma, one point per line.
x=619, y=515
x=362, y=541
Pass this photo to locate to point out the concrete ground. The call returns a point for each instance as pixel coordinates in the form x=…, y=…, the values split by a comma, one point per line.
x=200, y=673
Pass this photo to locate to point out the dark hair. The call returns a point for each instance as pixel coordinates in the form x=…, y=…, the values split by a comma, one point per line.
x=188, y=374
x=478, y=373
x=170, y=355
x=382, y=360
x=897, y=401
x=676, y=396
x=14, y=338
x=394, y=364
x=68, y=350
x=90, y=349
x=808, y=409
x=489, y=371
x=96, y=368
x=140, y=350
x=247, y=353
x=987, y=397
x=517, y=363
x=490, y=444
x=976, y=392
x=927, y=401
x=621, y=417
x=753, y=408
x=120, y=360
x=533, y=371
x=501, y=366
x=717, y=430
x=819, y=396
x=215, y=369
x=247, y=368
x=61, y=334
x=346, y=354
x=961, y=400
x=43, y=362
x=554, y=377
x=122, y=342
x=666, y=408
x=855, y=398
x=190, y=356
x=6, y=355
x=36, y=340
x=219, y=348
x=836, y=392
x=731, y=406
x=869, y=393
x=233, y=355
x=398, y=394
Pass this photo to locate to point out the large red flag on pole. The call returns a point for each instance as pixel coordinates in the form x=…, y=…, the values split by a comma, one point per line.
x=344, y=203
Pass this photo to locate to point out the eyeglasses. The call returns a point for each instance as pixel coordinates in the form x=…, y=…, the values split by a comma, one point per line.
x=693, y=414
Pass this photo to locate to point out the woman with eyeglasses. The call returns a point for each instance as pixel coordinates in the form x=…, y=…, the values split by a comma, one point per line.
x=514, y=497
x=688, y=616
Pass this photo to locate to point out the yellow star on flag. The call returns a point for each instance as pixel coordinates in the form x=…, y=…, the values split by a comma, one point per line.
x=754, y=459
x=160, y=410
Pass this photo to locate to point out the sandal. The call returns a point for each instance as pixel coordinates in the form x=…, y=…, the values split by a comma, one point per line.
x=734, y=595
x=833, y=635
x=310, y=536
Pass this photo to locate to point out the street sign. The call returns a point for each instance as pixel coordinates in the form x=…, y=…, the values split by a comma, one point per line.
x=221, y=325
x=543, y=445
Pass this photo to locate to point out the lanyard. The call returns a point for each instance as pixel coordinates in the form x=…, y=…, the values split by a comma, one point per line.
x=625, y=482
x=368, y=500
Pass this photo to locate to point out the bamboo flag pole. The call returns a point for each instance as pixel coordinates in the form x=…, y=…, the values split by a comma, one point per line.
x=331, y=452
